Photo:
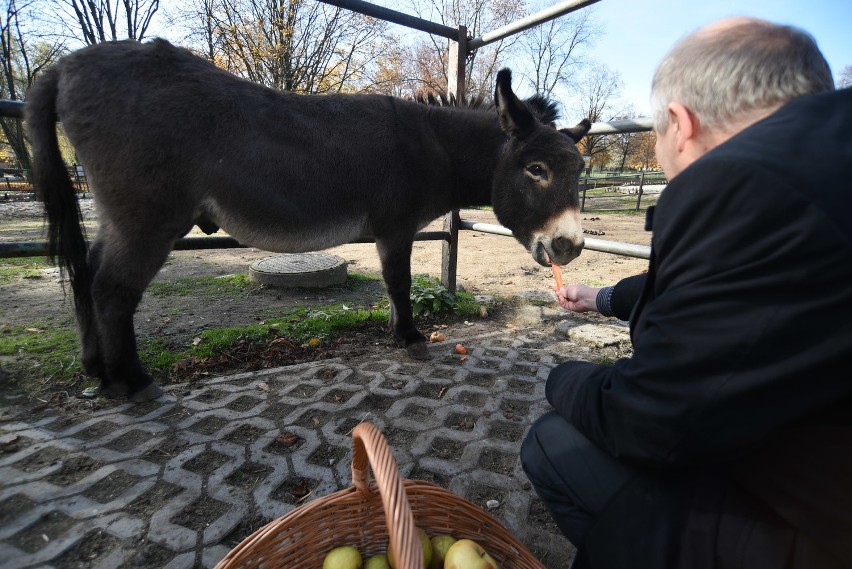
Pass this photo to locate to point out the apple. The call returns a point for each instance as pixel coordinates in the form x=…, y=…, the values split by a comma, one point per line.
x=467, y=554
x=425, y=543
x=378, y=561
x=440, y=544
x=343, y=557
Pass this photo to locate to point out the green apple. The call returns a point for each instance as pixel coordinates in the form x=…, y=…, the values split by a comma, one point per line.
x=425, y=543
x=467, y=554
x=343, y=557
x=378, y=561
x=440, y=544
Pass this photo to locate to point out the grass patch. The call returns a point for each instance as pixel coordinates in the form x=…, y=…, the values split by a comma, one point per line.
x=48, y=350
x=206, y=288
x=22, y=268
x=45, y=356
x=304, y=326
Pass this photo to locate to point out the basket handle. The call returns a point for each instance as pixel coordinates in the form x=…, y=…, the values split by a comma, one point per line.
x=369, y=448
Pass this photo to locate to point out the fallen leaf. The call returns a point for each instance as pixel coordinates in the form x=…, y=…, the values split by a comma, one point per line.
x=287, y=438
x=314, y=342
x=263, y=386
x=197, y=340
x=34, y=330
x=483, y=311
x=300, y=490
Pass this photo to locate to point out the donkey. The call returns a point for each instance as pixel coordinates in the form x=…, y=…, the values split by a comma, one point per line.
x=168, y=140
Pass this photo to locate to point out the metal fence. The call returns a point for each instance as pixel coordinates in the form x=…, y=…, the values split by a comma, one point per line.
x=621, y=192
x=15, y=186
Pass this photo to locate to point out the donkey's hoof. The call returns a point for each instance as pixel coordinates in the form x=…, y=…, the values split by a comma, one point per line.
x=149, y=393
x=418, y=351
x=113, y=391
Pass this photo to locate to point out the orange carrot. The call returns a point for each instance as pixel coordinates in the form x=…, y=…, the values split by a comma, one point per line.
x=557, y=274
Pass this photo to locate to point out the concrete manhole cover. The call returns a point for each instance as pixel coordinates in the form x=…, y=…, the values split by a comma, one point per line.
x=314, y=270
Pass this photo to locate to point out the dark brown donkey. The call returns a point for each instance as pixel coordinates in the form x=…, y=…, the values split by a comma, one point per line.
x=169, y=140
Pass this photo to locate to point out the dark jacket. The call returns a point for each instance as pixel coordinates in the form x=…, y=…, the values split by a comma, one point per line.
x=736, y=406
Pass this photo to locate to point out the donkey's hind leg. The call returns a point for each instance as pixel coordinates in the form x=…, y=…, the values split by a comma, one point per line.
x=395, y=255
x=92, y=359
x=126, y=267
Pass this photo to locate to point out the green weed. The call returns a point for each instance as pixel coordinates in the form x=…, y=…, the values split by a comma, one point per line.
x=206, y=288
x=22, y=268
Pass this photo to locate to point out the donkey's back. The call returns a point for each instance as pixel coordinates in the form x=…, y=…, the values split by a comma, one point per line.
x=153, y=122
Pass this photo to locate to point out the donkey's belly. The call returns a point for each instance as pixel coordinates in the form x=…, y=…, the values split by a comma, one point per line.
x=291, y=238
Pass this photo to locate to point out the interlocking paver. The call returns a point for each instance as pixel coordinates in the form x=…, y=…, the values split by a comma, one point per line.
x=178, y=482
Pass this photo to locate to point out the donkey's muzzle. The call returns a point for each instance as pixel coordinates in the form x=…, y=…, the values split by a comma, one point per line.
x=565, y=250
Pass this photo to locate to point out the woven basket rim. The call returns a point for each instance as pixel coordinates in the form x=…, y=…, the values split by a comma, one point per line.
x=351, y=512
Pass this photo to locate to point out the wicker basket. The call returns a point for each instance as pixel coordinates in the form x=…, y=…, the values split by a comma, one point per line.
x=362, y=514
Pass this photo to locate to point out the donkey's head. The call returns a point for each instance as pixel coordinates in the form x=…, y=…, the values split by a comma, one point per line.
x=535, y=191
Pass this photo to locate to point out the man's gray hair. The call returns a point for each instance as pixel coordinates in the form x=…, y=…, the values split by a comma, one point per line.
x=725, y=74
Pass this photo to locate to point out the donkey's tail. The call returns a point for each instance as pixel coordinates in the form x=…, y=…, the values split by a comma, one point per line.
x=66, y=242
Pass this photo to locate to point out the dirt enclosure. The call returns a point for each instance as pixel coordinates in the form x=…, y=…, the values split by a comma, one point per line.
x=493, y=266
x=487, y=264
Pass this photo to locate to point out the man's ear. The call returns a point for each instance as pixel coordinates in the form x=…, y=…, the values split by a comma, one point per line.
x=685, y=123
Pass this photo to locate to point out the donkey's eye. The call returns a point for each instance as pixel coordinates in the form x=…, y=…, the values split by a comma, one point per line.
x=537, y=170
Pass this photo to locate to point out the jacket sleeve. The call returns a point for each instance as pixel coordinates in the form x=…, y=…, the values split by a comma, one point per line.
x=625, y=294
x=741, y=267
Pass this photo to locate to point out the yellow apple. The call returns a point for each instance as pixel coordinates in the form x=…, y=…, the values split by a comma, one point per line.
x=467, y=554
x=378, y=561
x=425, y=543
x=440, y=544
x=343, y=557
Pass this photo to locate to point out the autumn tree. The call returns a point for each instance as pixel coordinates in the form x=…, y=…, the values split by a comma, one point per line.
x=598, y=94
x=295, y=45
x=845, y=79
x=478, y=17
x=630, y=148
x=644, y=156
x=97, y=21
x=554, y=53
x=21, y=60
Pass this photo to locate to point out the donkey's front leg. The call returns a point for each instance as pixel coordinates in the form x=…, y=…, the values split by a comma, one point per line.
x=395, y=255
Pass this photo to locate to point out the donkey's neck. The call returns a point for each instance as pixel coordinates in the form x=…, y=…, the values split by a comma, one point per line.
x=471, y=140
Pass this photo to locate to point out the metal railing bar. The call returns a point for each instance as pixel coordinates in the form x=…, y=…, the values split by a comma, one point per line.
x=396, y=17
x=530, y=21
x=39, y=248
x=626, y=249
x=640, y=124
x=12, y=109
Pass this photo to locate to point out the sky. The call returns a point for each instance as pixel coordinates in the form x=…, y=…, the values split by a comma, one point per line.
x=638, y=33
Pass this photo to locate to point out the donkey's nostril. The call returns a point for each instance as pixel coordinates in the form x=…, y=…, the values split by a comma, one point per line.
x=563, y=245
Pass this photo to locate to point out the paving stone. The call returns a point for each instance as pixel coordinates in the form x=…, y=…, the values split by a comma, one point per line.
x=215, y=462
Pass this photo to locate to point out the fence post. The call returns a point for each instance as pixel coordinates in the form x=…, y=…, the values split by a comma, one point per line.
x=455, y=86
x=639, y=193
x=587, y=160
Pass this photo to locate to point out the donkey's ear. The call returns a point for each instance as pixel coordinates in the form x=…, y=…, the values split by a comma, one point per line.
x=577, y=132
x=515, y=118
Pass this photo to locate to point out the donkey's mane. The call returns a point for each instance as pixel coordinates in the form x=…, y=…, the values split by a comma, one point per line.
x=545, y=110
x=442, y=99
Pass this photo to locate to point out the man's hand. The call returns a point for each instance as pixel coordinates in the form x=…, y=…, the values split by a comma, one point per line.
x=578, y=297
